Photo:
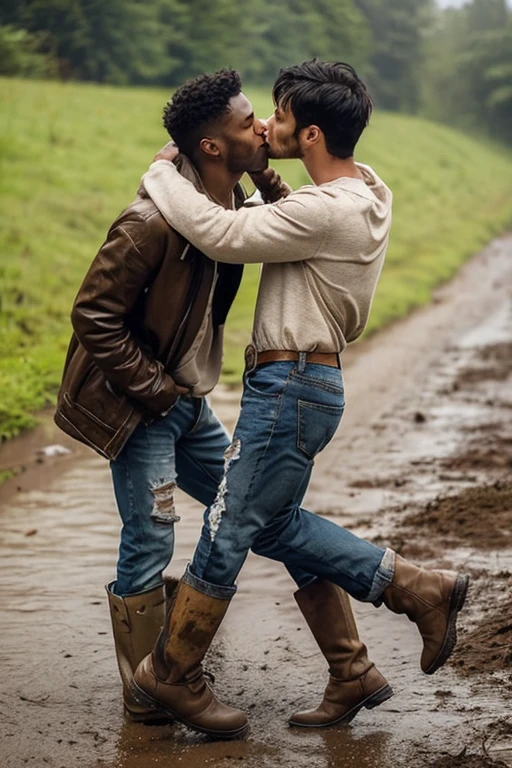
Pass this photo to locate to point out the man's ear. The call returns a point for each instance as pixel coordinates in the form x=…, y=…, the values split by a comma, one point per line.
x=311, y=135
x=209, y=147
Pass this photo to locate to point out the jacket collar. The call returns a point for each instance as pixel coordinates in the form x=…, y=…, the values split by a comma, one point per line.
x=189, y=172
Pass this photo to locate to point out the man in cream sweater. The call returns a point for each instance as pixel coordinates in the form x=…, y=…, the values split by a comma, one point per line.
x=322, y=249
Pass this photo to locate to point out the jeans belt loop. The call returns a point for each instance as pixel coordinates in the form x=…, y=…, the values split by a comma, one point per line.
x=302, y=362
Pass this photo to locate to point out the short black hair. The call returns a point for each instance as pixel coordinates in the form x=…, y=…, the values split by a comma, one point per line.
x=198, y=103
x=329, y=95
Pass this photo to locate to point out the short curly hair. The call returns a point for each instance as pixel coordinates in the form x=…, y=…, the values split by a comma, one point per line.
x=197, y=104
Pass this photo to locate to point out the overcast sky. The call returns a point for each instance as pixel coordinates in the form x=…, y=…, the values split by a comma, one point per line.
x=456, y=3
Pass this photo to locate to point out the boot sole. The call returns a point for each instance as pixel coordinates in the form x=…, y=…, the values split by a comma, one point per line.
x=372, y=701
x=155, y=717
x=457, y=600
x=148, y=701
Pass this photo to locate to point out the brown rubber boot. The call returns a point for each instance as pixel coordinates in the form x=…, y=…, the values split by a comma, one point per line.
x=171, y=678
x=137, y=621
x=432, y=599
x=354, y=680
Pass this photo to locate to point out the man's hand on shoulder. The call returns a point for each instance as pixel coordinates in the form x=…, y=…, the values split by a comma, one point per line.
x=169, y=152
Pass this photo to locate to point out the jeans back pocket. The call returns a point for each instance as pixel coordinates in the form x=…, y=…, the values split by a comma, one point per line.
x=316, y=426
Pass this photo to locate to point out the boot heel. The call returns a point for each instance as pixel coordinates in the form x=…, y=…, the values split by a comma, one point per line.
x=459, y=593
x=457, y=600
x=142, y=697
x=379, y=697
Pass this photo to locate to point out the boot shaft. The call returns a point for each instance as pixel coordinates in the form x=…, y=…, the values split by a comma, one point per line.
x=416, y=591
x=136, y=623
x=188, y=631
x=172, y=679
x=432, y=600
x=328, y=613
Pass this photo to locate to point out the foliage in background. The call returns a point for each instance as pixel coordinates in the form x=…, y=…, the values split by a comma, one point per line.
x=20, y=54
x=395, y=60
x=167, y=41
x=71, y=156
x=451, y=64
x=467, y=69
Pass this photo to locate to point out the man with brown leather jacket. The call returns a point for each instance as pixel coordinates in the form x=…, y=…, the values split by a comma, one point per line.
x=147, y=346
x=148, y=328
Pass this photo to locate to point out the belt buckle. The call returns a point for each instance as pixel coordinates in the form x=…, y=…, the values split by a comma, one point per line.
x=250, y=357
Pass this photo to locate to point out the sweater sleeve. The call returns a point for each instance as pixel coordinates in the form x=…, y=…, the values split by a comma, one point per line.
x=293, y=229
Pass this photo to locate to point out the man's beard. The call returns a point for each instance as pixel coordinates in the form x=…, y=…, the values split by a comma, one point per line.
x=259, y=162
x=289, y=151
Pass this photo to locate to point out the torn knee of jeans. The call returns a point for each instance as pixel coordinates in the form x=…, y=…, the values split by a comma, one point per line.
x=164, y=510
x=218, y=507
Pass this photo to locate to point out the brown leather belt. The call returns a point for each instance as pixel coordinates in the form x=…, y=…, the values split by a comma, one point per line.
x=254, y=358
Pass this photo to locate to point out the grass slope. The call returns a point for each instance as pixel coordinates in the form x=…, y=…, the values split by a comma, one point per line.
x=70, y=159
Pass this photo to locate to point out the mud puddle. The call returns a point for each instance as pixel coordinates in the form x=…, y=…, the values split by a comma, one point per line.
x=422, y=460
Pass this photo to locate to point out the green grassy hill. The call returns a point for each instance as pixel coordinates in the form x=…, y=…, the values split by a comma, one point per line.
x=70, y=159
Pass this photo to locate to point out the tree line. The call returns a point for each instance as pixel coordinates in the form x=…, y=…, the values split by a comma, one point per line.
x=164, y=42
x=466, y=69
x=454, y=65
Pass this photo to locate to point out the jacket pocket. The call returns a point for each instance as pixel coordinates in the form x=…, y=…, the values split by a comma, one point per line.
x=87, y=413
x=97, y=400
x=91, y=411
x=316, y=426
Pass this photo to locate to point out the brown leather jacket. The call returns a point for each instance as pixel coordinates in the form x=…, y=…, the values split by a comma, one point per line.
x=138, y=311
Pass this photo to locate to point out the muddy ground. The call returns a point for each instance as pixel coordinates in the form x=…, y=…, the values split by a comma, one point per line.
x=422, y=460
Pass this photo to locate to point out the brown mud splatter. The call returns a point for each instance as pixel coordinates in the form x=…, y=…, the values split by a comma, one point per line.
x=467, y=761
x=489, y=451
x=493, y=362
x=494, y=742
x=478, y=516
x=488, y=647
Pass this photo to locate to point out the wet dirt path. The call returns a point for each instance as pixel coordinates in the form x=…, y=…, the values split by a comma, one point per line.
x=429, y=416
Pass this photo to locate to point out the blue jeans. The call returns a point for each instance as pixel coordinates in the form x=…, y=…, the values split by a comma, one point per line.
x=290, y=411
x=184, y=449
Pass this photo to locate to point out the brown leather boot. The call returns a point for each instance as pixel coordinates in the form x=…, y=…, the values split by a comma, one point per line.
x=354, y=680
x=432, y=599
x=171, y=678
x=137, y=620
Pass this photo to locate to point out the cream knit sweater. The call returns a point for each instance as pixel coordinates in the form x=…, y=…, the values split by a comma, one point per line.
x=322, y=250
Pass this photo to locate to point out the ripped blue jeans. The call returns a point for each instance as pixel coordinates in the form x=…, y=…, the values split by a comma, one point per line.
x=185, y=449
x=290, y=411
